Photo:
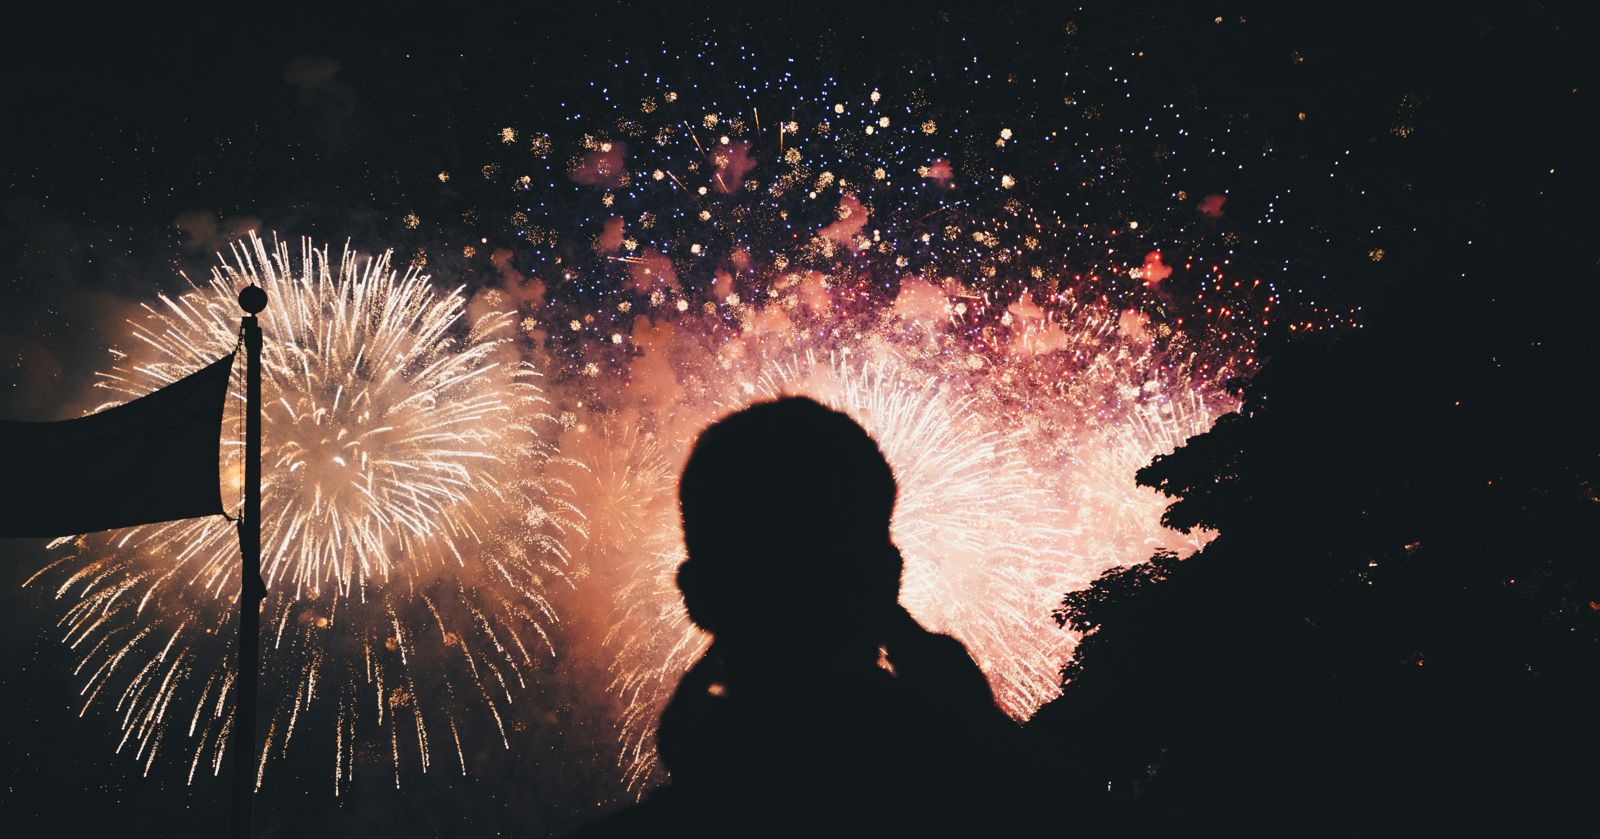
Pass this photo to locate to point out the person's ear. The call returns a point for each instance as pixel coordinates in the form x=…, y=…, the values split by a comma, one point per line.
x=888, y=580
x=698, y=601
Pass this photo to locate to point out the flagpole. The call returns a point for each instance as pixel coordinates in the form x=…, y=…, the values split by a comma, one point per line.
x=251, y=590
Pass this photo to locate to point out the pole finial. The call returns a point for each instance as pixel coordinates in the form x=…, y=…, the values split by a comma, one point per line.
x=253, y=299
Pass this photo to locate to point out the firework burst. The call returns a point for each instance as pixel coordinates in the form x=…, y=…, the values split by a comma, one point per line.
x=991, y=529
x=409, y=531
x=982, y=536
x=1020, y=302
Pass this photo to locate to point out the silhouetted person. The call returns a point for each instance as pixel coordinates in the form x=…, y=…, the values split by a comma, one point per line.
x=822, y=707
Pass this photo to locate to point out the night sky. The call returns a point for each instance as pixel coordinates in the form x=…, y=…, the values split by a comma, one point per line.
x=1386, y=150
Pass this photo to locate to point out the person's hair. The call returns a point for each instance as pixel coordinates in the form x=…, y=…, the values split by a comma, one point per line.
x=786, y=510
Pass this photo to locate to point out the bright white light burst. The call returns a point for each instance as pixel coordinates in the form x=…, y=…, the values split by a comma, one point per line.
x=408, y=528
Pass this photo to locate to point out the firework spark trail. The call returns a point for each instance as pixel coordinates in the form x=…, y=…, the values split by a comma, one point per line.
x=403, y=485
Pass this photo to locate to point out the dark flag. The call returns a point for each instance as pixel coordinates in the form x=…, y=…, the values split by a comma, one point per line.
x=153, y=459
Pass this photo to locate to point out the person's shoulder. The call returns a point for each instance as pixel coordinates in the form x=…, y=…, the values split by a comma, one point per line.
x=936, y=655
x=692, y=730
x=947, y=646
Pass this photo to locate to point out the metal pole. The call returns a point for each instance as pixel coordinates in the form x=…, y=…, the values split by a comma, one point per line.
x=251, y=589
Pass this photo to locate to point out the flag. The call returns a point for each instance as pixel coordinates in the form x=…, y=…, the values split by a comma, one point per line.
x=153, y=459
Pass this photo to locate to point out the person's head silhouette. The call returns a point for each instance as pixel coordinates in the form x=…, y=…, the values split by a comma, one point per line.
x=786, y=508
x=822, y=705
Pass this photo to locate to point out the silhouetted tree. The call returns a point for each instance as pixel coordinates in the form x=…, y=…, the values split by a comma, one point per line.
x=1396, y=625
